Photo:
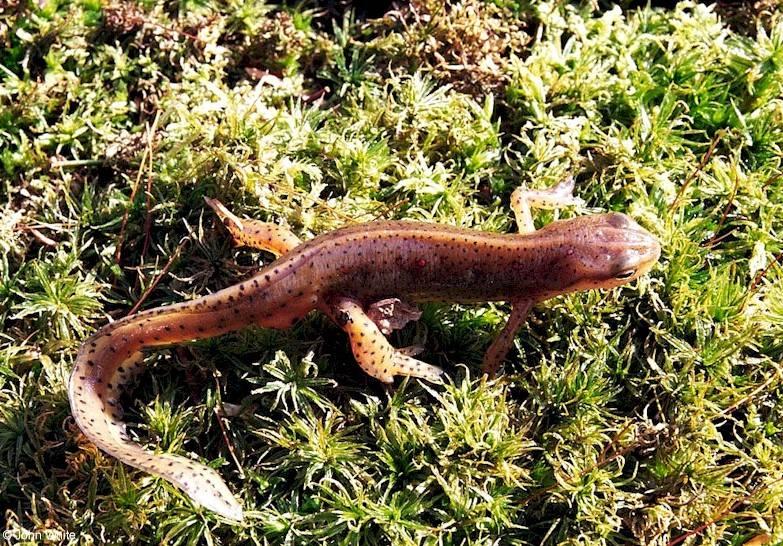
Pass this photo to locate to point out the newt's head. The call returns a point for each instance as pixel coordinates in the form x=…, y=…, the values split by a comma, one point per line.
x=603, y=251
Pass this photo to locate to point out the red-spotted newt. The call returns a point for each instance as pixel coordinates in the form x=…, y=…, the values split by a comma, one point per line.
x=366, y=278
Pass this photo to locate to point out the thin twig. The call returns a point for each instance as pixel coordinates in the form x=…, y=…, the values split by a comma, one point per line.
x=601, y=462
x=124, y=223
x=385, y=210
x=41, y=237
x=57, y=164
x=755, y=391
x=701, y=528
x=763, y=274
x=157, y=279
x=772, y=179
x=611, y=444
x=148, y=192
x=229, y=445
x=705, y=158
x=718, y=238
x=134, y=192
x=715, y=239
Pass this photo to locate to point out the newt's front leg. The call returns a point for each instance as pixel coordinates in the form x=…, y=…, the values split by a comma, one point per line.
x=505, y=339
x=372, y=350
x=522, y=199
x=559, y=195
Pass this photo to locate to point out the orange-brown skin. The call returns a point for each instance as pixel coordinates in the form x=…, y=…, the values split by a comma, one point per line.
x=342, y=273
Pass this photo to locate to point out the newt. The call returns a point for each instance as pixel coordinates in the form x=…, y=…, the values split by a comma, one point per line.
x=367, y=278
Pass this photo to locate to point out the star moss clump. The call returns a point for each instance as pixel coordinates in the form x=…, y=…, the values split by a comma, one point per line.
x=648, y=414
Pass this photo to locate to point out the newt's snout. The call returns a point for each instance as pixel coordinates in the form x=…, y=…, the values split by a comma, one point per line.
x=624, y=250
x=637, y=249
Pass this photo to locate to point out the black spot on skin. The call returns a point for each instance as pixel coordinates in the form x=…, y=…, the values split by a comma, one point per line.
x=342, y=318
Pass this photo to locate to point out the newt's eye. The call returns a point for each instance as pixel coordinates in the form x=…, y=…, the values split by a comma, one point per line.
x=626, y=274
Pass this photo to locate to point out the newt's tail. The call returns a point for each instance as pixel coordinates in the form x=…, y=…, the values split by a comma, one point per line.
x=112, y=357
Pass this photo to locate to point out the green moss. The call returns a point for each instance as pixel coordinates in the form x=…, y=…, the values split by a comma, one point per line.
x=648, y=414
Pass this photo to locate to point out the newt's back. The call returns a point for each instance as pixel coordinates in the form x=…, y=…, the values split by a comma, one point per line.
x=429, y=262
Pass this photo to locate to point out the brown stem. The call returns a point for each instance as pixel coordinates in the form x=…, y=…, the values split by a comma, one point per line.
x=157, y=279
x=705, y=158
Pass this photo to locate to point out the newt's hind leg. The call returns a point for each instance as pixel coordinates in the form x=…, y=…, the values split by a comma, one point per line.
x=559, y=195
x=253, y=233
x=522, y=199
x=372, y=350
